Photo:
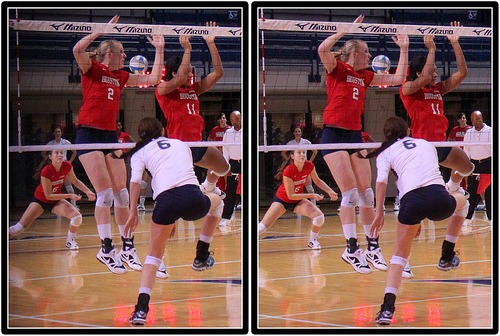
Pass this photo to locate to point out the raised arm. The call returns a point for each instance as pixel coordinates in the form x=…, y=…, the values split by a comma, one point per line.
x=182, y=73
x=79, y=50
x=327, y=58
x=213, y=77
x=425, y=78
x=454, y=80
x=399, y=76
x=158, y=41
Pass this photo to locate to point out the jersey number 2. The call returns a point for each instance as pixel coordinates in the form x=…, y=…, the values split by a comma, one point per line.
x=110, y=93
x=355, y=93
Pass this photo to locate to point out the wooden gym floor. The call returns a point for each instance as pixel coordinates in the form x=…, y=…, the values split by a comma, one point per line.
x=50, y=286
x=300, y=288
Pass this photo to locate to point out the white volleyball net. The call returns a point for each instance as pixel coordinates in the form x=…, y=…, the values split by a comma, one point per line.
x=292, y=88
x=45, y=81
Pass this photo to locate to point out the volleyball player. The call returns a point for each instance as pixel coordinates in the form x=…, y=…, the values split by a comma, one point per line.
x=58, y=140
x=423, y=195
x=102, y=81
x=423, y=100
x=177, y=195
x=458, y=132
x=347, y=81
x=178, y=99
x=53, y=171
x=290, y=196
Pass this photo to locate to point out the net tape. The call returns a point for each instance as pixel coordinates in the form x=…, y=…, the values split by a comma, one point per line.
x=118, y=145
x=275, y=148
x=372, y=28
x=123, y=28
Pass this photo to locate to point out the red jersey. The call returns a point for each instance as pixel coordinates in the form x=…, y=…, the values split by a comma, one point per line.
x=346, y=96
x=365, y=136
x=298, y=178
x=425, y=108
x=458, y=133
x=182, y=110
x=101, y=90
x=218, y=133
x=56, y=178
x=122, y=138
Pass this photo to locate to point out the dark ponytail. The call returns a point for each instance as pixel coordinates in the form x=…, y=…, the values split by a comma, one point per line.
x=284, y=164
x=172, y=65
x=395, y=128
x=45, y=162
x=149, y=128
x=416, y=65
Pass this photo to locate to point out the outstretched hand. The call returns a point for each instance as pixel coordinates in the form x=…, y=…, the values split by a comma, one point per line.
x=401, y=40
x=454, y=38
x=429, y=42
x=210, y=39
x=184, y=41
x=158, y=41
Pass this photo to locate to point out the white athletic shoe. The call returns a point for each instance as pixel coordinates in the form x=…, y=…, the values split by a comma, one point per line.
x=357, y=260
x=216, y=191
x=130, y=258
x=407, y=273
x=162, y=271
x=111, y=260
x=141, y=207
x=224, y=222
x=376, y=258
x=314, y=245
x=72, y=245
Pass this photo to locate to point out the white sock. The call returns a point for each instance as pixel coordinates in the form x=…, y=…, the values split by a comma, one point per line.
x=349, y=230
x=453, y=186
x=451, y=239
x=392, y=290
x=16, y=229
x=367, y=230
x=206, y=239
x=209, y=186
x=104, y=230
x=145, y=290
x=71, y=236
x=262, y=228
x=313, y=236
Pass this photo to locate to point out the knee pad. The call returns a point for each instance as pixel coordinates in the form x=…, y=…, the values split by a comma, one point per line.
x=121, y=199
x=217, y=212
x=76, y=221
x=367, y=198
x=350, y=198
x=466, y=174
x=152, y=261
x=318, y=220
x=462, y=212
x=398, y=261
x=104, y=198
x=222, y=174
x=144, y=184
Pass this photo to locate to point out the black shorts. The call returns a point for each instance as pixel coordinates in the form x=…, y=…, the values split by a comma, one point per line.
x=186, y=202
x=93, y=135
x=198, y=153
x=45, y=206
x=443, y=153
x=340, y=135
x=287, y=205
x=432, y=202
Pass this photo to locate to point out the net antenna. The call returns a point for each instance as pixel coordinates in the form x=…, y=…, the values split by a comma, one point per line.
x=264, y=118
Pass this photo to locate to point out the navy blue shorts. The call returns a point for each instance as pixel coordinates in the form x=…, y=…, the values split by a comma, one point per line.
x=198, y=153
x=93, y=135
x=45, y=206
x=288, y=206
x=432, y=202
x=443, y=153
x=186, y=202
x=340, y=135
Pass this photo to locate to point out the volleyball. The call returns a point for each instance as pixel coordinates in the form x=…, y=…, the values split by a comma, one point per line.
x=381, y=64
x=138, y=64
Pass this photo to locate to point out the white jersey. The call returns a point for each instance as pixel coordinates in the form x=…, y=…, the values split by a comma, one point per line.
x=301, y=142
x=169, y=161
x=63, y=142
x=415, y=162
